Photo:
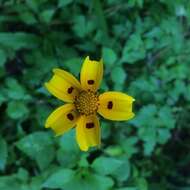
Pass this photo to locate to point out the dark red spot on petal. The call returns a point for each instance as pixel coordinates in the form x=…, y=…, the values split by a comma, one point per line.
x=70, y=116
x=89, y=125
x=110, y=105
x=90, y=82
x=70, y=90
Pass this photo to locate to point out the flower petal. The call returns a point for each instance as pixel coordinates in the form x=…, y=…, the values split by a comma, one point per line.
x=62, y=119
x=63, y=85
x=91, y=74
x=88, y=132
x=115, y=106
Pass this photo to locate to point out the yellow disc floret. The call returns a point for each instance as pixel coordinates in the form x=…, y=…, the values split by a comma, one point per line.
x=87, y=102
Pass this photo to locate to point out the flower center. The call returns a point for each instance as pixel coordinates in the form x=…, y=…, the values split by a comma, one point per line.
x=87, y=102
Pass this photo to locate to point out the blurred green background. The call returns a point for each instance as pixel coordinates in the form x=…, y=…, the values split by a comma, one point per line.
x=145, y=45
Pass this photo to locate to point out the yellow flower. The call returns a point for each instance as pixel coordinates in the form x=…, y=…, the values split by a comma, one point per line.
x=83, y=102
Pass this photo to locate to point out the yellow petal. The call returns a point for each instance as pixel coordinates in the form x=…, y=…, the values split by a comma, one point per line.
x=88, y=132
x=91, y=74
x=62, y=119
x=63, y=85
x=116, y=106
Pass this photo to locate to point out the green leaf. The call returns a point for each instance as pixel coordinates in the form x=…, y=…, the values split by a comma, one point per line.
x=82, y=26
x=122, y=173
x=22, y=174
x=67, y=142
x=91, y=181
x=38, y=146
x=18, y=40
x=16, y=109
x=42, y=114
x=129, y=145
x=59, y=178
x=68, y=154
x=63, y=3
x=101, y=19
x=15, y=181
x=47, y=15
x=15, y=90
x=33, y=5
x=3, y=153
x=5, y=182
x=114, y=150
x=106, y=130
x=104, y=86
x=134, y=49
x=109, y=56
x=41, y=65
x=83, y=162
x=2, y=98
x=166, y=117
x=106, y=165
x=148, y=111
x=187, y=92
x=118, y=75
x=74, y=65
x=27, y=17
x=128, y=188
x=3, y=58
x=163, y=135
x=142, y=184
x=149, y=146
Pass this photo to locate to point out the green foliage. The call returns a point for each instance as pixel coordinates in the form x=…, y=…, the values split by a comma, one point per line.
x=145, y=47
x=109, y=56
x=4, y=153
x=2, y=58
x=38, y=146
x=19, y=40
x=16, y=109
x=105, y=165
x=59, y=178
